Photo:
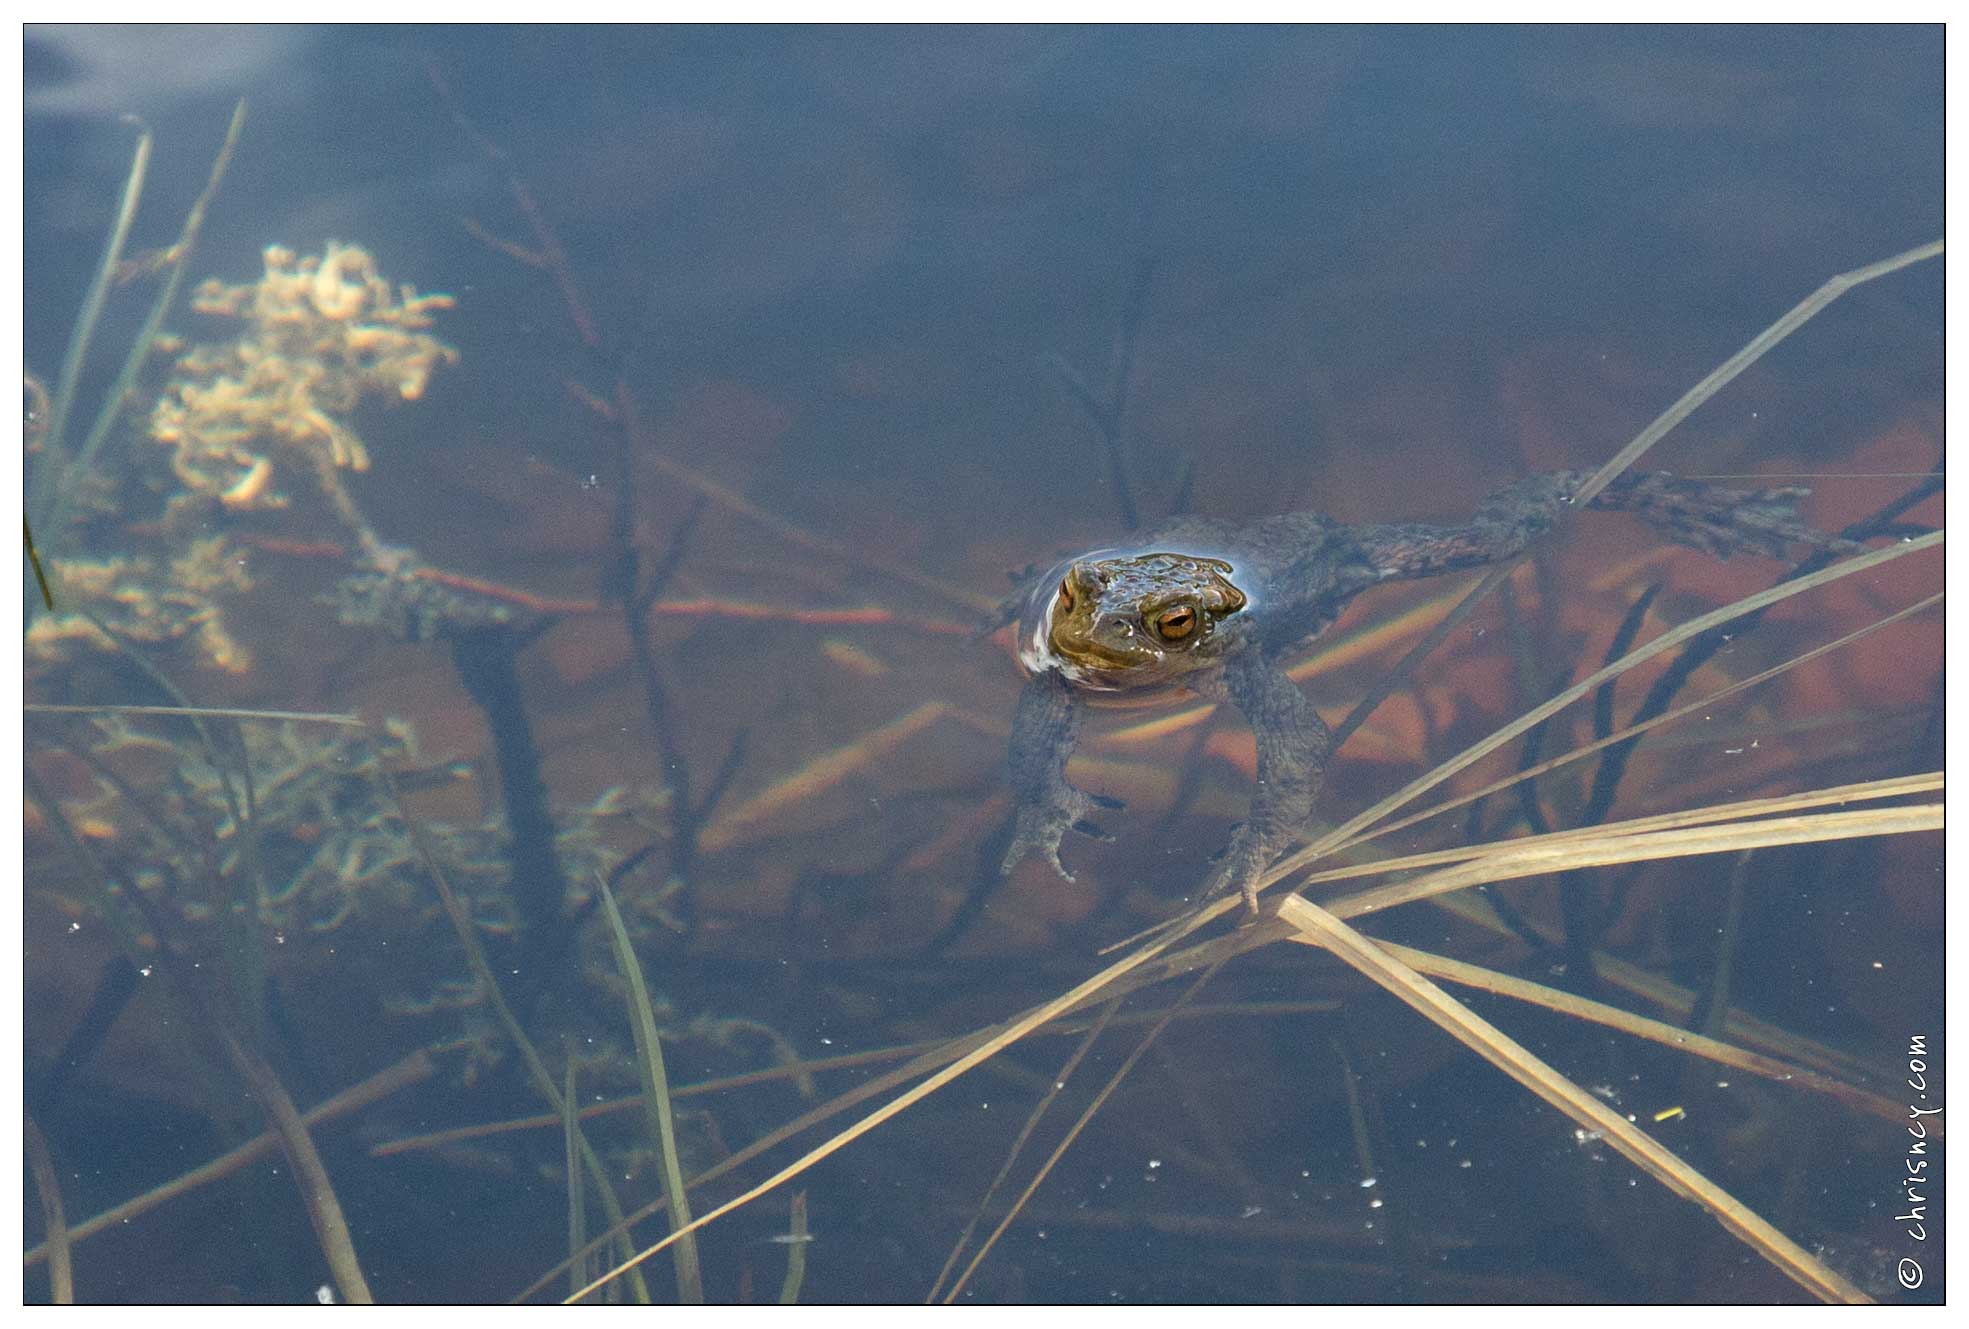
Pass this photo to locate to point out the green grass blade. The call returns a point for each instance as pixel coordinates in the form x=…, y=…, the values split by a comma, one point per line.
x=796, y=1251
x=536, y=1068
x=85, y=326
x=167, y=295
x=577, y=1200
x=656, y=1098
x=40, y=573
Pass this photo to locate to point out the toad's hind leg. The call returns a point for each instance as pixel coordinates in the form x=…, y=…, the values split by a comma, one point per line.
x=1293, y=745
x=1046, y=806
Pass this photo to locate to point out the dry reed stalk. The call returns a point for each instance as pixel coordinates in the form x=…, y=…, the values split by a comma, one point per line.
x=1348, y=830
x=1617, y=973
x=1053, y=1091
x=411, y=1070
x=1604, y=851
x=47, y=1188
x=1640, y=1026
x=1753, y=350
x=310, y=1175
x=1319, y=928
x=1677, y=1002
x=1622, y=735
x=1073, y=1133
x=1864, y=791
x=806, y=1069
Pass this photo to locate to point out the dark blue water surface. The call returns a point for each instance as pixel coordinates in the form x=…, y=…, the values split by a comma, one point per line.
x=838, y=281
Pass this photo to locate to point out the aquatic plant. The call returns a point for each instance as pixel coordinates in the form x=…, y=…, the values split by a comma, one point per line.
x=66, y=483
x=131, y=596
x=239, y=416
x=321, y=332
x=221, y=853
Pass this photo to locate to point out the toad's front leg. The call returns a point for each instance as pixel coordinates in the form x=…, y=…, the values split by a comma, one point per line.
x=1043, y=733
x=1293, y=745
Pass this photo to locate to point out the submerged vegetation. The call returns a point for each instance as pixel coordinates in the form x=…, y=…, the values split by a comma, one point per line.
x=554, y=952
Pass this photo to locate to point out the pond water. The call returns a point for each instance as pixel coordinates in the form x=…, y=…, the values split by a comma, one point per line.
x=806, y=338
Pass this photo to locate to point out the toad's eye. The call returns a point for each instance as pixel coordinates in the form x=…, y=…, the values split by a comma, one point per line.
x=1066, y=593
x=1175, y=624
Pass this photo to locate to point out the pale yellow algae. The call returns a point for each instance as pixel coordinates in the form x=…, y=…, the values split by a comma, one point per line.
x=126, y=595
x=322, y=332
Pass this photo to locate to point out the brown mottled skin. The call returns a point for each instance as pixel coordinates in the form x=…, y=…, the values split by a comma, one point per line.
x=1212, y=606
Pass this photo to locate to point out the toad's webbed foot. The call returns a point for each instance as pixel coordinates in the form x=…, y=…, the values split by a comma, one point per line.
x=1043, y=733
x=1241, y=866
x=1293, y=745
x=1720, y=522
